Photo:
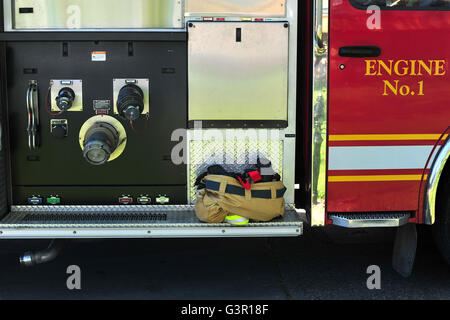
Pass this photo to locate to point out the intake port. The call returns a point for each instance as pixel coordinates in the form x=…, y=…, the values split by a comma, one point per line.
x=130, y=103
x=102, y=139
x=100, y=142
x=65, y=99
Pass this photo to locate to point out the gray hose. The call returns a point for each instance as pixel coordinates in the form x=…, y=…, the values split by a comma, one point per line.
x=30, y=259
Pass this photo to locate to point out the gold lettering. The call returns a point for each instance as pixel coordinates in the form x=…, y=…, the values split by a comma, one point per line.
x=405, y=69
x=387, y=85
x=385, y=67
x=413, y=68
x=370, y=65
x=440, y=68
x=404, y=90
x=428, y=68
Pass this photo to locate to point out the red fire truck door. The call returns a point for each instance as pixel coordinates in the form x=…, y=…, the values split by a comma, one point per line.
x=388, y=101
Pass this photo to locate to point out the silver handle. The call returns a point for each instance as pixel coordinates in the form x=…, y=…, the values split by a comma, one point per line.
x=33, y=114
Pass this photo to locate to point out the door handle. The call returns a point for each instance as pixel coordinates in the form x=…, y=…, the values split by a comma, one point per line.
x=360, y=51
x=33, y=115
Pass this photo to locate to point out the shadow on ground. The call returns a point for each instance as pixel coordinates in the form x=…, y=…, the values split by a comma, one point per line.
x=326, y=263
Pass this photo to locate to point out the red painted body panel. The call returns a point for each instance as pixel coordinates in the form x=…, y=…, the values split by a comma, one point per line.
x=361, y=197
x=357, y=105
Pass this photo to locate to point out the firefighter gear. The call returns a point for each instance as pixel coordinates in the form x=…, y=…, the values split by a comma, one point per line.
x=224, y=196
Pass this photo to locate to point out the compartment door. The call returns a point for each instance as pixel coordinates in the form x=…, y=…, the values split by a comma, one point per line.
x=238, y=74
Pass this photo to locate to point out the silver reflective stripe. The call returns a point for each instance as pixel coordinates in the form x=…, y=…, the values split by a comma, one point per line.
x=237, y=221
x=376, y=158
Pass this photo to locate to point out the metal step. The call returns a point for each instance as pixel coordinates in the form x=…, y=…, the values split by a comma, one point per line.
x=53, y=222
x=370, y=220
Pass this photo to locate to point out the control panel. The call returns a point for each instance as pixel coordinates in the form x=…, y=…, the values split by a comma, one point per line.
x=88, y=134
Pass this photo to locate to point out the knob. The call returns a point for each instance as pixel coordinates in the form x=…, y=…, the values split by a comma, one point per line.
x=65, y=99
x=130, y=102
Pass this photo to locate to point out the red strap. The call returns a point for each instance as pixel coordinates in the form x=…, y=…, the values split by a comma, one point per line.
x=255, y=176
x=245, y=184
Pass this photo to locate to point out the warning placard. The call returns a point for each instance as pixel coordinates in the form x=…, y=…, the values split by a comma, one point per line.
x=99, y=56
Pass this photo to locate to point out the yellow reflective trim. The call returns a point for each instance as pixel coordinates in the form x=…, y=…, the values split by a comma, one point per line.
x=407, y=177
x=237, y=220
x=385, y=137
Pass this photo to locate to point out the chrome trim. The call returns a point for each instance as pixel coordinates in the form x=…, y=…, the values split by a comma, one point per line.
x=239, y=18
x=319, y=121
x=7, y=15
x=370, y=220
x=226, y=8
x=289, y=157
x=136, y=233
x=318, y=27
x=433, y=182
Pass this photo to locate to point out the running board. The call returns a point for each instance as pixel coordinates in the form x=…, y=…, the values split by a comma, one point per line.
x=370, y=220
x=73, y=222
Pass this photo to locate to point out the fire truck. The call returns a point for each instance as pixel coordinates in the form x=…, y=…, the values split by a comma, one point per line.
x=111, y=109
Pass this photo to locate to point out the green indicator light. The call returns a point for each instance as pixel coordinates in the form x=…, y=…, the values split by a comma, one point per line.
x=53, y=200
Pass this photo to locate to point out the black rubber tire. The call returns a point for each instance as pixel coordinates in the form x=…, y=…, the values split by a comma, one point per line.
x=441, y=228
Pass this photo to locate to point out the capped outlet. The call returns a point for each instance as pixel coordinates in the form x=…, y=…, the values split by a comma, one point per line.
x=66, y=95
x=131, y=98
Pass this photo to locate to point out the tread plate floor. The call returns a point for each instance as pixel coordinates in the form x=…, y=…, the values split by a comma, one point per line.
x=179, y=221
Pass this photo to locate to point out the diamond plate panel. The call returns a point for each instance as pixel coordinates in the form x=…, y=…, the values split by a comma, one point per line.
x=233, y=155
x=123, y=217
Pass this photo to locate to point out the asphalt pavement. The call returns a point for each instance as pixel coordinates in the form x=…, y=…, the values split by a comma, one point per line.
x=328, y=263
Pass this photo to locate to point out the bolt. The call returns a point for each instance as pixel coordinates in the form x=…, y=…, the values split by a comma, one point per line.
x=342, y=67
